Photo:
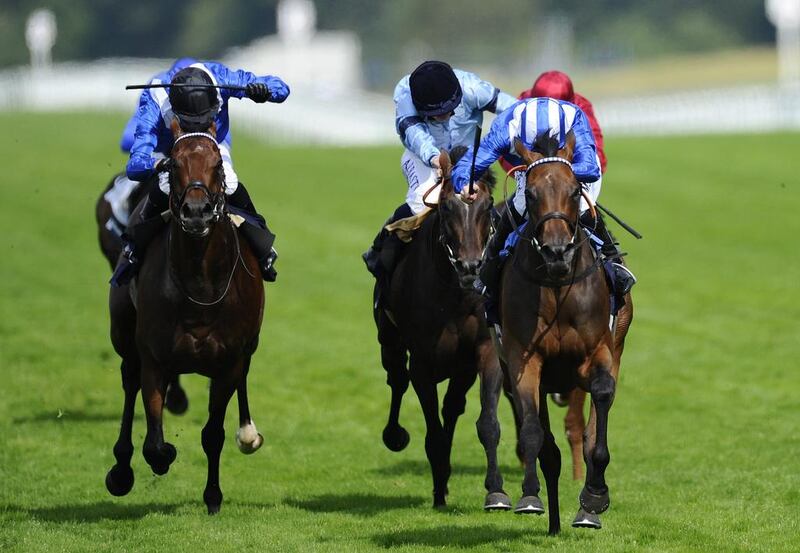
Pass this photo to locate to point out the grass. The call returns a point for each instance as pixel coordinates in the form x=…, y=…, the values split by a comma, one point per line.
x=703, y=432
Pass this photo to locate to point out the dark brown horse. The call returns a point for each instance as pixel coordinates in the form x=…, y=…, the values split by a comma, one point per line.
x=109, y=229
x=555, y=311
x=197, y=307
x=436, y=318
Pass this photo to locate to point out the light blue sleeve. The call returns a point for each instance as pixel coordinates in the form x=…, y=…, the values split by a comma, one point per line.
x=148, y=119
x=584, y=158
x=278, y=90
x=410, y=126
x=491, y=148
x=483, y=95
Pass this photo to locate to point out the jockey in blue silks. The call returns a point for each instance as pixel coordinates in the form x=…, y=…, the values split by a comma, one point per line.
x=525, y=121
x=436, y=107
x=195, y=109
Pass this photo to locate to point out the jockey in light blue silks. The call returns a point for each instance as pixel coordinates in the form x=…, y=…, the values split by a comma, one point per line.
x=436, y=107
x=525, y=121
x=195, y=108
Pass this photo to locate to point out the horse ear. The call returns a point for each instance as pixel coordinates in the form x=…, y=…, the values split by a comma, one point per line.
x=444, y=162
x=212, y=130
x=175, y=127
x=523, y=151
x=569, y=147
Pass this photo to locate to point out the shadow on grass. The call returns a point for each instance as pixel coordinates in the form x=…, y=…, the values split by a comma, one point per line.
x=410, y=466
x=450, y=535
x=96, y=512
x=66, y=417
x=365, y=505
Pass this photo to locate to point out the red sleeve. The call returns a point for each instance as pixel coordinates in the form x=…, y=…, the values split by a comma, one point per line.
x=586, y=107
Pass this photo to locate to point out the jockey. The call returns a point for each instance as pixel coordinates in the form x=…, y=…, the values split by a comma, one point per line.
x=195, y=110
x=436, y=107
x=525, y=121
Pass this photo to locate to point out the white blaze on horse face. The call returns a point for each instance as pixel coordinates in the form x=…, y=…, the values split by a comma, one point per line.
x=248, y=439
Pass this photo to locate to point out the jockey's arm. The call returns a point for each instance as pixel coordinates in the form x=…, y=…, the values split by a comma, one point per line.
x=584, y=158
x=491, y=148
x=278, y=90
x=483, y=95
x=148, y=117
x=411, y=127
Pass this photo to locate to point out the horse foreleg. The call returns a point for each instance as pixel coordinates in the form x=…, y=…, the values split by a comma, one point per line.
x=435, y=437
x=531, y=435
x=594, y=498
x=158, y=453
x=213, y=435
x=394, y=359
x=248, y=438
x=119, y=479
x=489, y=434
x=550, y=458
x=508, y=391
x=574, y=424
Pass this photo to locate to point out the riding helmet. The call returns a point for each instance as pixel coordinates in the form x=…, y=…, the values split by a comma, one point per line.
x=435, y=89
x=194, y=106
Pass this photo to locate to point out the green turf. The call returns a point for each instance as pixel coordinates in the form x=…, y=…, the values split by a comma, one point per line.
x=704, y=431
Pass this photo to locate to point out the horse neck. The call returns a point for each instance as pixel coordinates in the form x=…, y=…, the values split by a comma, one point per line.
x=202, y=261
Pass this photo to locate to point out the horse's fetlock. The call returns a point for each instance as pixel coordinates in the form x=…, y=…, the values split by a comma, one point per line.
x=123, y=452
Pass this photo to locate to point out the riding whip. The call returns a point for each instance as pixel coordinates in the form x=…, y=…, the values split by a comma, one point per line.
x=475, y=146
x=182, y=85
x=621, y=223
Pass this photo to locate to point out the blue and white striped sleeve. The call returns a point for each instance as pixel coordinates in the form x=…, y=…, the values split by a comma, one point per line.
x=493, y=145
x=410, y=126
x=584, y=158
x=148, y=116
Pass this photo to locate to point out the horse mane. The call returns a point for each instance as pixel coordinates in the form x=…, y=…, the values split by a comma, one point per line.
x=487, y=178
x=546, y=144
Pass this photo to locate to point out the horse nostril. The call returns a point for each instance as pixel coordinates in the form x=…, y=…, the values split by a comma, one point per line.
x=186, y=211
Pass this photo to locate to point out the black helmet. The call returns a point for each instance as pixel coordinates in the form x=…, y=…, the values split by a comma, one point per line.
x=435, y=89
x=195, y=107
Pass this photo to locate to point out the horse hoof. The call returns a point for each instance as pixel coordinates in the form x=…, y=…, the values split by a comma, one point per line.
x=529, y=505
x=497, y=501
x=586, y=520
x=176, y=401
x=248, y=439
x=160, y=463
x=562, y=400
x=119, y=480
x=594, y=503
x=213, y=509
x=395, y=438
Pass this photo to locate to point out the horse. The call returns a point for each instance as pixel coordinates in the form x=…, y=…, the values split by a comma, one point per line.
x=196, y=306
x=109, y=231
x=555, y=312
x=433, y=328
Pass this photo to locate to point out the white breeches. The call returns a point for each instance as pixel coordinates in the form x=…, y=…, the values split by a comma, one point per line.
x=231, y=178
x=421, y=178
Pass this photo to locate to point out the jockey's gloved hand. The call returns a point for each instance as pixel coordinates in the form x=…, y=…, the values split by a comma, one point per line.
x=258, y=92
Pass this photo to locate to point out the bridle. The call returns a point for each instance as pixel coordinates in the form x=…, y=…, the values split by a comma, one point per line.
x=217, y=200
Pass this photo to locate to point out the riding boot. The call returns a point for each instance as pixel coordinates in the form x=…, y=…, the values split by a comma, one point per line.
x=136, y=238
x=488, y=281
x=383, y=255
x=622, y=278
x=255, y=231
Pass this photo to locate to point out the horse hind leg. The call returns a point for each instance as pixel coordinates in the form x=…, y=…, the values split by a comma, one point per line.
x=176, y=400
x=248, y=438
x=394, y=359
x=119, y=479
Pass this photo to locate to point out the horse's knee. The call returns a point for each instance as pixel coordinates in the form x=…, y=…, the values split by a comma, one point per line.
x=488, y=430
x=602, y=389
x=212, y=438
x=531, y=435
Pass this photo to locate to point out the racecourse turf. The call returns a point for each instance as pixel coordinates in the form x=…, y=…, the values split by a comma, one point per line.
x=703, y=433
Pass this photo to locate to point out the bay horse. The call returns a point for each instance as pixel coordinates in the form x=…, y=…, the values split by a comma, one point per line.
x=555, y=312
x=433, y=328
x=109, y=229
x=195, y=307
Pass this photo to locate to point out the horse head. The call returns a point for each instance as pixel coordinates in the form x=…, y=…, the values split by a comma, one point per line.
x=464, y=226
x=552, y=198
x=196, y=180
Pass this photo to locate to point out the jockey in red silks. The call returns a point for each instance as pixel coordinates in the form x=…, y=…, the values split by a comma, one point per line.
x=558, y=85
